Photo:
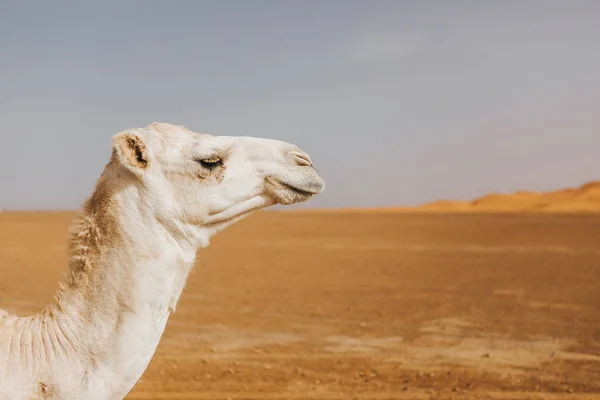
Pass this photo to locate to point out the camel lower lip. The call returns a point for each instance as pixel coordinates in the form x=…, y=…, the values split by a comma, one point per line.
x=296, y=189
x=292, y=188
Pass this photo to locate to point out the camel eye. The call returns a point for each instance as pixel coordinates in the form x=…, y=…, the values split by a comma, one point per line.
x=210, y=163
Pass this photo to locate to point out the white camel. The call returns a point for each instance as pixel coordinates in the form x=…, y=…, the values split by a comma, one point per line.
x=163, y=194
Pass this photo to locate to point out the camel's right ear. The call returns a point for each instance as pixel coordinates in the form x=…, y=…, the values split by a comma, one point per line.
x=131, y=151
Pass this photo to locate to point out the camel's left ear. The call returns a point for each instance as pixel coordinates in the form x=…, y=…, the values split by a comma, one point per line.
x=131, y=151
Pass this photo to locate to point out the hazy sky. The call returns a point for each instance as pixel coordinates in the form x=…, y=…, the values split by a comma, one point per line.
x=397, y=102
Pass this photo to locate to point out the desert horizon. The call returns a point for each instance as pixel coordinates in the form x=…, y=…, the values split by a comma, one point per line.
x=578, y=199
x=584, y=198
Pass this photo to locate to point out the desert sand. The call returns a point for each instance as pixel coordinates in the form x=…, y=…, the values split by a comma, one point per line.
x=583, y=199
x=305, y=305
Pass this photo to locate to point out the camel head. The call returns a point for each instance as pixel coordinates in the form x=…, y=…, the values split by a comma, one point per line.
x=211, y=181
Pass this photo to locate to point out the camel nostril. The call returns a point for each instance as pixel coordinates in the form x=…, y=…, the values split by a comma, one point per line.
x=302, y=159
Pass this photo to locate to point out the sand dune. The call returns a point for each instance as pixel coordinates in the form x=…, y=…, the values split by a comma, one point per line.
x=584, y=199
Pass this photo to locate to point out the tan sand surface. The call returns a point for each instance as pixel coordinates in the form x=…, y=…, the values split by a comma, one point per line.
x=305, y=305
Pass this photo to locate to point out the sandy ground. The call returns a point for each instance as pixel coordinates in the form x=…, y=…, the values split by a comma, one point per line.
x=362, y=306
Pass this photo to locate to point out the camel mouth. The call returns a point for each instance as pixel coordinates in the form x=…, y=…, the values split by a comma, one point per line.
x=295, y=191
x=298, y=190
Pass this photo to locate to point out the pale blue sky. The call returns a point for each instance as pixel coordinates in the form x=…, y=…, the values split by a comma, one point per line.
x=398, y=102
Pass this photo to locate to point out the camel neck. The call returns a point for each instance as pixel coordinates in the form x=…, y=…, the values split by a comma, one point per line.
x=125, y=276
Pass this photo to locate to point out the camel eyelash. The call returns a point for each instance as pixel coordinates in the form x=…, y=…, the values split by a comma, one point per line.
x=210, y=163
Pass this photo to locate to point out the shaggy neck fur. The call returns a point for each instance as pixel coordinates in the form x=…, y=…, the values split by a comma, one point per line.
x=126, y=273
